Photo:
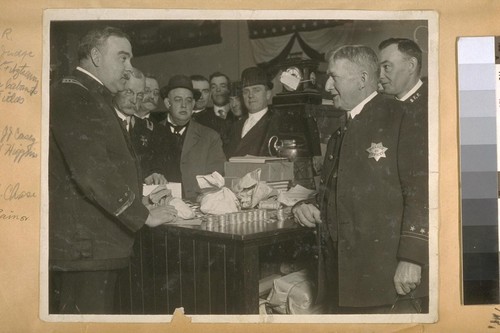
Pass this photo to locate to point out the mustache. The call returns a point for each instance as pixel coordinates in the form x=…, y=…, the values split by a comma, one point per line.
x=127, y=74
x=151, y=100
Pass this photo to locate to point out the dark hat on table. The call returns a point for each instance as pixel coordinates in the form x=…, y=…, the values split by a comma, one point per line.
x=253, y=76
x=235, y=89
x=179, y=81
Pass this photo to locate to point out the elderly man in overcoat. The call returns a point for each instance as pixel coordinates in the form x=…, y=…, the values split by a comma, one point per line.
x=372, y=207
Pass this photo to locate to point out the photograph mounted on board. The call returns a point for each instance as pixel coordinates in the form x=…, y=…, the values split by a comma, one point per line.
x=280, y=167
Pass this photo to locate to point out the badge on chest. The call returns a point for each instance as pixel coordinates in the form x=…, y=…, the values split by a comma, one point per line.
x=376, y=151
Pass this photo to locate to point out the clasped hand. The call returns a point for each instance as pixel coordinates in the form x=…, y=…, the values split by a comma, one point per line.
x=160, y=211
x=306, y=215
x=407, y=277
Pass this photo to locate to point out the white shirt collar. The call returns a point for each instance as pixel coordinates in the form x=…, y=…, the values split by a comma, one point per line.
x=123, y=117
x=411, y=92
x=257, y=115
x=223, y=107
x=253, y=118
x=144, y=117
x=357, y=109
x=89, y=74
x=171, y=128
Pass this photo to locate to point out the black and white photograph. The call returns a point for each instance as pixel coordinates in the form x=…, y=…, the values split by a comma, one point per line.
x=245, y=166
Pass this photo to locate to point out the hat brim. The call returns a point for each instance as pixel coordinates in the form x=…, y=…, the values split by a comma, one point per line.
x=196, y=93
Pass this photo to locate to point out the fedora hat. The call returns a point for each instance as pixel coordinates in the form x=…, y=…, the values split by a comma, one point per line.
x=179, y=81
x=252, y=76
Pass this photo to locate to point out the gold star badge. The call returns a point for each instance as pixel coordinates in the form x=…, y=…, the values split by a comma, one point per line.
x=377, y=151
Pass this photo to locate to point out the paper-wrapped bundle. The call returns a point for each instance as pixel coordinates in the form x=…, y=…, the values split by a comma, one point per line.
x=294, y=294
x=250, y=190
x=216, y=199
x=183, y=210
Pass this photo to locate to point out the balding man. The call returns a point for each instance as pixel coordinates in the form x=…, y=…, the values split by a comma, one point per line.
x=371, y=210
x=95, y=188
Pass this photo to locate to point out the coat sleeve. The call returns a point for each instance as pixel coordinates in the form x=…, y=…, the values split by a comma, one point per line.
x=80, y=129
x=414, y=178
x=158, y=160
x=216, y=157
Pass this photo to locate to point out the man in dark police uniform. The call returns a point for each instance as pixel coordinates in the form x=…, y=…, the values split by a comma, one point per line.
x=400, y=68
x=95, y=188
x=372, y=208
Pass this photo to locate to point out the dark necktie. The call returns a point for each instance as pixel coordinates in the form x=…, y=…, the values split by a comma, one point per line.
x=124, y=123
x=349, y=119
x=132, y=123
x=177, y=129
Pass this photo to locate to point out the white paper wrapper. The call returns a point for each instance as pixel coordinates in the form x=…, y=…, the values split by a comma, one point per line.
x=183, y=210
x=217, y=199
x=294, y=294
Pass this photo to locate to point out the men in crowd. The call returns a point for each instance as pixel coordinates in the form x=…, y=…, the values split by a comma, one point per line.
x=218, y=117
x=200, y=84
x=400, y=67
x=142, y=126
x=235, y=103
x=373, y=207
x=184, y=148
x=219, y=91
x=250, y=135
x=95, y=192
x=151, y=97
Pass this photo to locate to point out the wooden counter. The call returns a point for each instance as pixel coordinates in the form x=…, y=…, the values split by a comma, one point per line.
x=206, y=270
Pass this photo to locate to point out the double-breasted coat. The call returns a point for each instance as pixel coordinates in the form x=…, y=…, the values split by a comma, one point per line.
x=373, y=199
x=95, y=188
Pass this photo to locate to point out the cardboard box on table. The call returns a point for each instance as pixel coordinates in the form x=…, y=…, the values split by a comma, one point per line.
x=270, y=171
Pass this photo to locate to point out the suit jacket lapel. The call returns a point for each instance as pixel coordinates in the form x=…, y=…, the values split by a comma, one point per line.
x=192, y=137
x=249, y=138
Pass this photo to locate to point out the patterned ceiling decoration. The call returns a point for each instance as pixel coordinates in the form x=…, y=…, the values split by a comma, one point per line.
x=273, y=28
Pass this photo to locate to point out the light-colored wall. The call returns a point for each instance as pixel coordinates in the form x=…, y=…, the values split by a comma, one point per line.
x=234, y=53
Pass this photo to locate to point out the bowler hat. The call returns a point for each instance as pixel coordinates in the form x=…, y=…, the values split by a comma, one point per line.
x=253, y=76
x=235, y=89
x=179, y=81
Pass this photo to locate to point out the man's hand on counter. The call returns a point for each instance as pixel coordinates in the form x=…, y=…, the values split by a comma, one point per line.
x=160, y=195
x=306, y=215
x=160, y=214
x=155, y=179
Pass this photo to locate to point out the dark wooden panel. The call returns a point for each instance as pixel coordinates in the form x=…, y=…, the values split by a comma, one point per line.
x=148, y=271
x=201, y=277
x=122, y=294
x=188, y=287
x=160, y=273
x=234, y=279
x=217, y=278
x=173, y=273
x=247, y=277
x=136, y=278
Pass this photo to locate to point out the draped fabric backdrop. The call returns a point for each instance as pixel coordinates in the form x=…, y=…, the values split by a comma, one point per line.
x=272, y=41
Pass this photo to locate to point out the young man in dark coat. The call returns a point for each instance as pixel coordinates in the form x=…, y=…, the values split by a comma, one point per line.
x=250, y=135
x=400, y=68
x=372, y=207
x=95, y=188
x=183, y=148
x=219, y=118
